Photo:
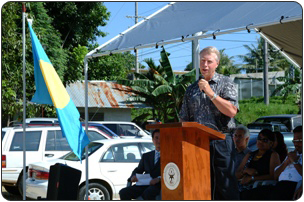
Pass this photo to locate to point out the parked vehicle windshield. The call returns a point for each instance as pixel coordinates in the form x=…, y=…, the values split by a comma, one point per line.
x=259, y=126
x=93, y=146
x=285, y=121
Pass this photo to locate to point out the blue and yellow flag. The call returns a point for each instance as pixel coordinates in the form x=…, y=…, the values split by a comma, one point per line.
x=50, y=90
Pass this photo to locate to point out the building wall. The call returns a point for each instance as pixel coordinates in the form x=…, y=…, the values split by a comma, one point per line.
x=107, y=114
x=117, y=114
x=248, y=88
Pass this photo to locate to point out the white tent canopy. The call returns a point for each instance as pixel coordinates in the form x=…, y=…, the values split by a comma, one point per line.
x=178, y=21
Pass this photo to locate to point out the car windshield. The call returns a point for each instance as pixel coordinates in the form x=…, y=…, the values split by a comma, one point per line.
x=259, y=126
x=283, y=120
x=93, y=146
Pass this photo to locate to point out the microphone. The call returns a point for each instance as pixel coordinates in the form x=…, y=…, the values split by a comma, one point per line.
x=199, y=78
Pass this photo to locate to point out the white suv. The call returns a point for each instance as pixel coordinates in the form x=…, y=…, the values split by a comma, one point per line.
x=125, y=129
x=42, y=143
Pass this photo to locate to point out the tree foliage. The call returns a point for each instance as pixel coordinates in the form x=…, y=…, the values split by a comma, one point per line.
x=114, y=67
x=11, y=60
x=12, y=63
x=78, y=22
x=67, y=31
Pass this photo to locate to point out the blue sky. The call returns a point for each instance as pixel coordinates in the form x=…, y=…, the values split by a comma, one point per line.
x=180, y=52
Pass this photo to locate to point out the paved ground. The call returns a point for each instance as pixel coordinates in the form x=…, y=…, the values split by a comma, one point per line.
x=9, y=196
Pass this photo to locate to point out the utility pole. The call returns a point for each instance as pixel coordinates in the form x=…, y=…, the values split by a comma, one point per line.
x=256, y=66
x=136, y=21
x=265, y=74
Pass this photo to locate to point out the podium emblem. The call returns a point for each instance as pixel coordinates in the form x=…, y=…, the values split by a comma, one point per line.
x=171, y=176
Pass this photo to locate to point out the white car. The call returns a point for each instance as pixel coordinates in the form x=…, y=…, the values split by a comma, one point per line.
x=44, y=142
x=111, y=163
x=125, y=129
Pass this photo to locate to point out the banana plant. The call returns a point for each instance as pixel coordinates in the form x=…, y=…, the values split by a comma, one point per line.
x=160, y=88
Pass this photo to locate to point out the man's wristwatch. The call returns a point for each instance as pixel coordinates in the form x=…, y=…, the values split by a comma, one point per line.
x=214, y=96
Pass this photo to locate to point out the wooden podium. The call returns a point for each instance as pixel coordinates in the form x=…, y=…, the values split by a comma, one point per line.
x=185, y=144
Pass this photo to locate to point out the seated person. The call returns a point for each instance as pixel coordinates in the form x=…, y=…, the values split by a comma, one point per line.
x=240, y=138
x=280, y=146
x=289, y=173
x=149, y=164
x=258, y=165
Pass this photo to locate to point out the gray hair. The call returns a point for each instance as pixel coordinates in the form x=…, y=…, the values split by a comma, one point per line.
x=245, y=129
x=212, y=49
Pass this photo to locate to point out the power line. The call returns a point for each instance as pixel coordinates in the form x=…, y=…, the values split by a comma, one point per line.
x=114, y=16
x=167, y=48
x=170, y=57
x=231, y=40
x=153, y=9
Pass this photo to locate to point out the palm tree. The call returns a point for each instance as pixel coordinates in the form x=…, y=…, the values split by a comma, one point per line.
x=226, y=66
x=160, y=88
x=254, y=58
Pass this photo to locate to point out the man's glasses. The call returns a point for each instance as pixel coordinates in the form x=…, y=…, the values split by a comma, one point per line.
x=263, y=139
x=299, y=140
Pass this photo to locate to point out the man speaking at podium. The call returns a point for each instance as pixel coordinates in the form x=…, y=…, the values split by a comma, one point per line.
x=212, y=101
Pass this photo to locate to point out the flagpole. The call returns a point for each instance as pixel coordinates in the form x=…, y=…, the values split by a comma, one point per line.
x=86, y=125
x=24, y=101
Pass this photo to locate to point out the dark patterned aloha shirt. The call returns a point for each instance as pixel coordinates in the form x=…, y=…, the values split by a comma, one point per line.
x=198, y=107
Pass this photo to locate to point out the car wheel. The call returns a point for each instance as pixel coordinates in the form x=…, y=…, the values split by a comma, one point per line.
x=12, y=190
x=96, y=191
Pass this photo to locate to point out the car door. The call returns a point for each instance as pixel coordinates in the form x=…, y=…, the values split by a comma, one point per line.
x=118, y=162
x=56, y=145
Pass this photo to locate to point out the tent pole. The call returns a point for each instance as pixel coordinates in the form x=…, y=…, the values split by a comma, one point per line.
x=86, y=125
x=24, y=101
x=195, y=53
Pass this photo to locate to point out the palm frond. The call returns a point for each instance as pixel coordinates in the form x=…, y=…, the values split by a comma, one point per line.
x=163, y=89
x=165, y=63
